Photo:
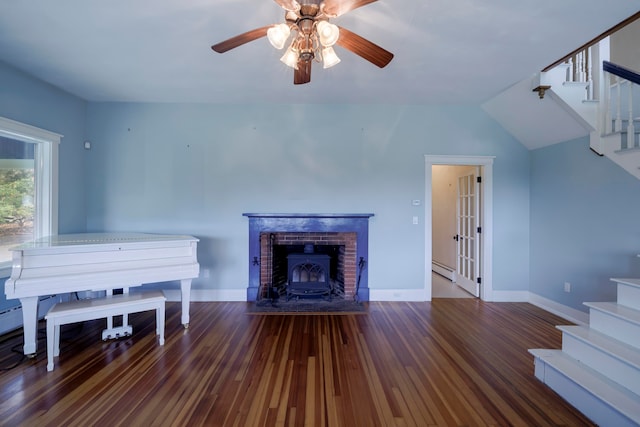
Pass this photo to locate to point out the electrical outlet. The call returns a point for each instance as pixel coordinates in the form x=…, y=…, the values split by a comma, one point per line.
x=567, y=287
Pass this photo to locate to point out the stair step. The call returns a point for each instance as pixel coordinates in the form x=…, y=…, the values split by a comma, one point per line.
x=628, y=292
x=612, y=358
x=581, y=85
x=615, y=320
x=602, y=400
x=628, y=150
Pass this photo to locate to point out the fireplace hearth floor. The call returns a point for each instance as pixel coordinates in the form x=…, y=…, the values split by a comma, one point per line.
x=306, y=306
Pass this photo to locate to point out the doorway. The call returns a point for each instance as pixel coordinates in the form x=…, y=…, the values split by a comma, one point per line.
x=475, y=247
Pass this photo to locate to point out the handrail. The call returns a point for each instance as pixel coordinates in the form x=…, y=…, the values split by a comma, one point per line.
x=620, y=71
x=595, y=40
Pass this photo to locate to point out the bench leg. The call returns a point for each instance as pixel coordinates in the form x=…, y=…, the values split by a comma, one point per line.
x=160, y=322
x=56, y=340
x=50, y=344
x=125, y=315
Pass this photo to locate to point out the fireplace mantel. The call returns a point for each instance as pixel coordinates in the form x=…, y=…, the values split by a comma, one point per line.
x=307, y=222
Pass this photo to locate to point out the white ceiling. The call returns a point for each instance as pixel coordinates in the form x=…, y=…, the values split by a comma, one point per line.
x=446, y=51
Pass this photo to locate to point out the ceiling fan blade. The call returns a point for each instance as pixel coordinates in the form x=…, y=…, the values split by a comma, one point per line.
x=289, y=5
x=364, y=48
x=340, y=7
x=303, y=74
x=240, y=39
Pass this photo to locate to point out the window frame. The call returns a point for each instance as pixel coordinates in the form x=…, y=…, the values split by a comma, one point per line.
x=45, y=173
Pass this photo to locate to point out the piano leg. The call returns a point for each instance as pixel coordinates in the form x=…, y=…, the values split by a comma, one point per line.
x=30, y=325
x=185, y=288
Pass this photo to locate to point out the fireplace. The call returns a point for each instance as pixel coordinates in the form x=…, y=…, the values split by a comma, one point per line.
x=339, y=240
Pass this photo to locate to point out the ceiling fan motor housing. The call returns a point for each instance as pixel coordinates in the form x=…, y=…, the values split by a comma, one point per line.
x=305, y=43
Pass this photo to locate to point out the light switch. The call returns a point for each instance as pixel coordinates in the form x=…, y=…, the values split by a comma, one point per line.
x=415, y=220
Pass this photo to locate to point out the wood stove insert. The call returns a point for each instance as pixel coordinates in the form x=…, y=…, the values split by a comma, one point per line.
x=308, y=275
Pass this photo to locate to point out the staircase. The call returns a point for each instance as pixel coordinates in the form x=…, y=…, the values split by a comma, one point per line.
x=598, y=368
x=602, y=97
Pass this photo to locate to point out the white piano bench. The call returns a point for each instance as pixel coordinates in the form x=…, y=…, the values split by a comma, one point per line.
x=96, y=308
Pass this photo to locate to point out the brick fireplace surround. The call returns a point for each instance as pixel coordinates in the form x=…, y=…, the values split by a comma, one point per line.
x=350, y=231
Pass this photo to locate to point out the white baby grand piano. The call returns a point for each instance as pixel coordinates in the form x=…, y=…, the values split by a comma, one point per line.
x=97, y=261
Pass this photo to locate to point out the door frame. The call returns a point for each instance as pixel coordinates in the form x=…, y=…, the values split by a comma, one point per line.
x=486, y=171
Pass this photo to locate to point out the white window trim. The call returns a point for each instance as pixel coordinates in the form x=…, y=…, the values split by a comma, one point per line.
x=46, y=175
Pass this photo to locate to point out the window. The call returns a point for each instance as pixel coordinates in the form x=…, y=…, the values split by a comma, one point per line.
x=28, y=184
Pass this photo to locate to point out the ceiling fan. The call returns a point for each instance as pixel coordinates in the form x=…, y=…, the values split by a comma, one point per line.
x=313, y=36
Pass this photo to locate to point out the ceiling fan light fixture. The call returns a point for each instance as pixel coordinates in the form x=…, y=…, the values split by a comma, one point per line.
x=278, y=35
x=290, y=58
x=327, y=33
x=329, y=57
x=313, y=36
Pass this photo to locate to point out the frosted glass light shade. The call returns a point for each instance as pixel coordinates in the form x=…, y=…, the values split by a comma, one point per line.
x=328, y=33
x=329, y=57
x=278, y=35
x=290, y=58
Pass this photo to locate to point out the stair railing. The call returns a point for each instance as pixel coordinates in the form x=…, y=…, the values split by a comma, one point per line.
x=620, y=102
x=580, y=70
x=580, y=62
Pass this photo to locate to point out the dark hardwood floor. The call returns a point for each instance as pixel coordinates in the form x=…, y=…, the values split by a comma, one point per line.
x=450, y=362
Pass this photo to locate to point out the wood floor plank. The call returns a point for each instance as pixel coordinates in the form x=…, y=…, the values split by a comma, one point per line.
x=449, y=362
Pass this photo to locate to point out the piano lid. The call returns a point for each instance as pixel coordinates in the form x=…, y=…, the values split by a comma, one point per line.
x=88, y=239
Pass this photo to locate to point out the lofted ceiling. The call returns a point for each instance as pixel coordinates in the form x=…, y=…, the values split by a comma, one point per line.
x=446, y=51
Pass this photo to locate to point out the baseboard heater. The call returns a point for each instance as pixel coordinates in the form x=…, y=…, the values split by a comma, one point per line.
x=11, y=318
x=443, y=270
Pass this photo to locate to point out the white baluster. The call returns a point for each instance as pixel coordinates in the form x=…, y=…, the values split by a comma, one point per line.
x=608, y=125
x=580, y=65
x=618, y=125
x=570, y=71
x=590, y=73
x=630, y=127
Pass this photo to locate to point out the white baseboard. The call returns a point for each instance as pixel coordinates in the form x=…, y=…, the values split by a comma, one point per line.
x=566, y=312
x=397, y=295
x=220, y=295
x=208, y=295
x=510, y=296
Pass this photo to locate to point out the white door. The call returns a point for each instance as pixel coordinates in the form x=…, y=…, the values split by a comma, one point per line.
x=468, y=232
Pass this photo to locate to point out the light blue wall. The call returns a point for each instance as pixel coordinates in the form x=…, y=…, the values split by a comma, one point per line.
x=30, y=101
x=561, y=214
x=584, y=224
x=195, y=168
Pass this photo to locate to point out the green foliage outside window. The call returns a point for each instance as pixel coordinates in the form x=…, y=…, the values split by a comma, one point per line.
x=17, y=190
